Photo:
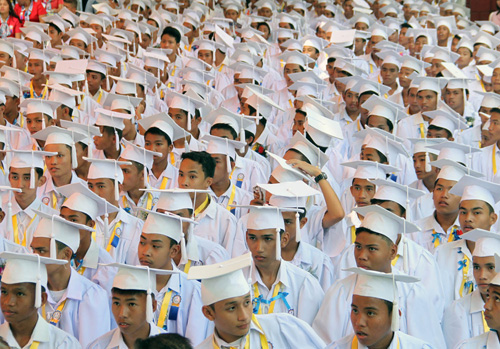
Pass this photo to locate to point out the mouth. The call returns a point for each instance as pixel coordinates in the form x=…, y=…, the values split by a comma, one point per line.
x=243, y=327
x=361, y=335
x=443, y=203
x=259, y=258
x=468, y=228
x=145, y=262
x=123, y=325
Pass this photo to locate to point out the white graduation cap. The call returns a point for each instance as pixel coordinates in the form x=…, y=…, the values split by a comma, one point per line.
x=15, y=74
x=183, y=102
x=386, y=143
x=35, y=34
x=444, y=55
x=453, y=171
x=296, y=57
x=414, y=63
x=98, y=67
x=107, y=168
x=222, y=280
x=315, y=156
x=164, y=123
x=490, y=41
x=7, y=47
x=35, y=105
x=31, y=268
x=364, y=85
x=177, y=198
x=390, y=57
x=261, y=103
x=71, y=52
x=375, y=284
x=58, y=135
x=62, y=95
x=69, y=16
x=471, y=188
x=421, y=145
x=284, y=172
x=141, y=76
x=57, y=21
x=490, y=100
x=82, y=35
x=29, y=159
x=140, y=155
x=384, y=108
x=238, y=122
x=58, y=229
x=389, y=190
x=370, y=169
x=290, y=195
x=444, y=119
x=224, y=146
x=118, y=102
x=454, y=152
x=87, y=130
x=427, y=83
x=106, y=58
x=138, y=278
x=112, y=119
x=487, y=242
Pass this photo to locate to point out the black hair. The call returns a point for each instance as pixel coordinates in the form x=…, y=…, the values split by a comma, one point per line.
x=369, y=231
x=302, y=156
x=74, y=3
x=495, y=110
x=437, y=128
x=156, y=131
x=171, y=31
x=389, y=123
x=248, y=135
x=206, y=161
x=12, y=13
x=309, y=138
x=60, y=246
x=380, y=202
x=331, y=60
x=300, y=111
x=128, y=292
x=368, y=93
x=389, y=306
x=137, y=165
x=268, y=27
x=225, y=127
x=51, y=25
x=164, y=341
x=406, y=25
x=110, y=131
x=39, y=172
x=490, y=208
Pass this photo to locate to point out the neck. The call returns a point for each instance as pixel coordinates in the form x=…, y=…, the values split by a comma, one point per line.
x=93, y=91
x=62, y=180
x=23, y=204
x=11, y=116
x=141, y=333
x=260, y=129
x=228, y=338
x=429, y=182
x=268, y=273
x=352, y=114
x=111, y=216
x=159, y=167
x=112, y=153
x=162, y=280
x=59, y=280
x=5, y=16
x=84, y=246
x=37, y=83
x=195, y=133
x=470, y=245
x=289, y=251
x=443, y=43
x=384, y=342
x=460, y=110
x=199, y=200
x=221, y=186
x=136, y=194
x=23, y=329
x=445, y=220
x=82, y=171
x=393, y=87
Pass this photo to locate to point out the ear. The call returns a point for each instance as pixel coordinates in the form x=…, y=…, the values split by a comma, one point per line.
x=285, y=239
x=44, y=298
x=209, y=181
x=493, y=218
x=155, y=304
x=91, y=223
x=41, y=181
x=303, y=222
x=208, y=312
x=2, y=216
x=175, y=250
x=394, y=251
x=120, y=187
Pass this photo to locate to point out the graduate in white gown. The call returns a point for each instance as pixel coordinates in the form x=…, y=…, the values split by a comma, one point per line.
x=374, y=313
x=24, y=327
x=227, y=301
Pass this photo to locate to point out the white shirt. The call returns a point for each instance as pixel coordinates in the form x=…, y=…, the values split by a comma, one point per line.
x=418, y=317
x=130, y=235
x=216, y=224
x=86, y=314
x=430, y=226
x=247, y=173
x=304, y=292
x=47, y=336
x=233, y=196
x=487, y=340
x=201, y=251
x=48, y=192
x=264, y=164
x=194, y=145
x=280, y=330
x=483, y=162
x=114, y=339
x=147, y=201
x=170, y=175
x=190, y=321
x=463, y=319
x=400, y=340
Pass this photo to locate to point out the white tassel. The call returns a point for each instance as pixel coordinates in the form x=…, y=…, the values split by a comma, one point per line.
x=145, y=172
x=149, y=306
x=117, y=144
x=106, y=229
x=53, y=251
x=38, y=287
x=117, y=189
x=32, y=178
x=186, y=145
x=297, y=227
x=278, y=244
x=43, y=122
x=74, y=159
x=9, y=216
x=405, y=255
x=184, y=256
x=428, y=167
x=189, y=122
x=242, y=137
x=228, y=164
x=395, y=316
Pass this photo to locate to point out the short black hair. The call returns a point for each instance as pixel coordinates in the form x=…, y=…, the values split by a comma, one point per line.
x=300, y=111
x=495, y=110
x=74, y=3
x=206, y=161
x=51, y=25
x=389, y=306
x=437, y=128
x=137, y=165
x=171, y=31
x=331, y=59
x=368, y=93
x=164, y=341
x=268, y=27
x=156, y=131
x=110, y=131
x=380, y=202
x=406, y=25
x=225, y=127
x=369, y=231
x=248, y=135
x=302, y=156
x=128, y=292
x=309, y=138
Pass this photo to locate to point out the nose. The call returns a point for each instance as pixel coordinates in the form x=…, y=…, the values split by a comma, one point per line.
x=362, y=255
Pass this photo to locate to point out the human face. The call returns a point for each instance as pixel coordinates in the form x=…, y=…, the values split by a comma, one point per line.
x=154, y=251
x=484, y=272
x=94, y=81
x=60, y=164
x=103, y=187
x=105, y=140
x=351, y=101
x=454, y=98
x=465, y=57
x=168, y=42
x=129, y=311
x=55, y=36
x=438, y=133
x=298, y=123
x=132, y=178
x=359, y=45
x=191, y=176
x=370, y=154
x=363, y=112
x=231, y=14
x=264, y=29
x=373, y=252
x=361, y=26
x=419, y=165
x=362, y=191
x=222, y=133
x=290, y=68
x=393, y=207
x=348, y=8
x=221, y=171
x=18, y=302
x=158, y=143
x=262, y=244
x=34, y=122
x=206, y=56
x=495, y=80
x=494, y=127
x=179, y=116
x=371, y=321
x=231, y=317
x=427, y=100
x=20, y=178
x=389, y=73
x=35, y=67
x=311, y=52
x=444, y=202
x=380, y=122
x=5, y=59
x=403, y=76
x=181, y=213
x=437, y=67
x=290, y=223
x=492, y=308
x=420, y=42
x=78, y=44
x=413, y=100
x=443, y=33
x=475, y=214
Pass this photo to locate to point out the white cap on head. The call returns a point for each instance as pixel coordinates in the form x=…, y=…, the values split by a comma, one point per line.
x=223, y=146
x=370, y=169
x=35, y=105
x=487, y=242
x=58, y=135
x=117, y=102
x=322, y=130
x=31, y=268
x=388, y=190
x=261, y=103
x=237, y=122
x=313, y=154
x=164, y=123
x=284, y=172
x=444, y=119
x=223, y=280
x=176, y=199
x=29, y=159
x=112, y=119
x=472, y=188
x=138, y=154
x=107, y=168
x=63, y=95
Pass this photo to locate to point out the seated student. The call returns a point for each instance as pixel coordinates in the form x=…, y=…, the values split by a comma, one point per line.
x=444, y=124
x=133, y=197
x=215, y=223
x=37, y=62
x=24, y=285
x=476, y=211
x=133, y=305
x=39, y=114
x=223, y=190
x=293, y=249
x=111, y=125
x=117, y=232
x=82, y=206
x=489, y=339
x=374, y=313
x=160, y=132
x=74, y=304
x=422, y=157
x=278, y=286
x=464, y=318
x=199, y=251
x=179, y=299
x=22, y=220
x=57, y=29
x=60, y=166
x=375, y=249
x=227, y=301
x=80, y=38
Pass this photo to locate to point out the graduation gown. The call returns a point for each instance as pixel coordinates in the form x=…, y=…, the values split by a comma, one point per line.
x=399, y=341
x=114, y=340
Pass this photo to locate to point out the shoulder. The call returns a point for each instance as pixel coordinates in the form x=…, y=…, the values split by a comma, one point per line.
x=408, y=341
x=102, y=341
x=62, y=339
x=475, y=342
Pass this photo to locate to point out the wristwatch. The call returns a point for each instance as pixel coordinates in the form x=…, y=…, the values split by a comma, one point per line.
x=321, y=176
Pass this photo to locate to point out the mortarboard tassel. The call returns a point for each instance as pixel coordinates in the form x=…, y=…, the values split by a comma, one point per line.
x=278, y=244
x=297, y=227
x=186, y=145
x=106, y=228
x=9, y=215
x=428, y=167
x=117, y=140
x=189, y=122
x=395, y=307
x=38, y=286
x=184, y=256
x=53, y=251
x=117, y=189
x=242, y=136
x=74, y=159
x=149, y=301
x=145, y=171
x=32, y=172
